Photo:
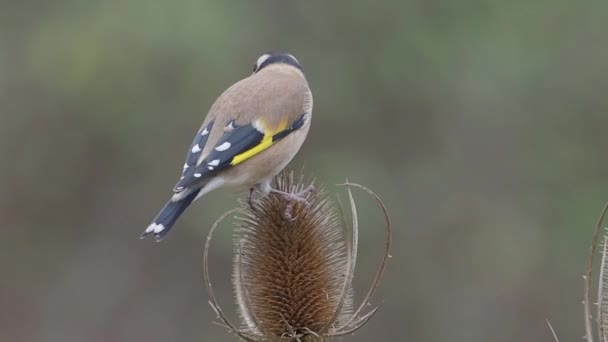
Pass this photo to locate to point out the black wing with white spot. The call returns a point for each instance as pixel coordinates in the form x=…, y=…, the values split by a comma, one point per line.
x=236, y=145
x=232, y=143
x=196, y=148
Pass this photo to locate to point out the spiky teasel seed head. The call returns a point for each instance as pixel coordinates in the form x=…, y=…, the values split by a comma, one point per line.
x=292, y=270
x=293, y=274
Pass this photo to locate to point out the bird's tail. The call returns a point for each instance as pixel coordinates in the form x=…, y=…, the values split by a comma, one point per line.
x=168, y=215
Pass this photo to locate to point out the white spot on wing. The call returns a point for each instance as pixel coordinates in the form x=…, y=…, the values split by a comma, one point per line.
x=196, y=148
x=186, y=166
x=210, y=167
x=197, y=175
x=214, y=162
x=205, y=132
x=229, y=127
x=223, y=147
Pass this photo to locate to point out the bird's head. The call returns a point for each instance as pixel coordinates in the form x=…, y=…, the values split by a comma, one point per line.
x=272, y=59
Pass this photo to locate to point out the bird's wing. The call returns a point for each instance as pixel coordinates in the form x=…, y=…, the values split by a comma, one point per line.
x=197, y=146
x=237, y=145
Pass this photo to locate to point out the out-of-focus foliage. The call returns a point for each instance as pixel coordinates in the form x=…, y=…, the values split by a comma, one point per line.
x=482, y=124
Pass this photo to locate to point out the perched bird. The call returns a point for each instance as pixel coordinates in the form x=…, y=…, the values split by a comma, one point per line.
x=250, y=134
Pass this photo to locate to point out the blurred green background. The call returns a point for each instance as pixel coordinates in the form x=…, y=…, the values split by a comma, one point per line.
x=482, y=124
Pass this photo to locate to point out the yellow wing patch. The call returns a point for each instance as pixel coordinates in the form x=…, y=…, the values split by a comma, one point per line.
x=266, y=142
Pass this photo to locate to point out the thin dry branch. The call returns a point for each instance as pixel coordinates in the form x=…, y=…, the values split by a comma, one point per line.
x=357, y=324
x=385, y=257
x=245, y=293
x=600, y=295
x=352, y=243
x=552, y=331
x=245, y=310
x=587, y=275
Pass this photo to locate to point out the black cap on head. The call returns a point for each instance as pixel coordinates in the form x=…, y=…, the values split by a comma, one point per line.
x=274, y=58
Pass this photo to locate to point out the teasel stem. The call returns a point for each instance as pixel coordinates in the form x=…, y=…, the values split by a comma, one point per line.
x=293, y=276
x=587, y=279
x=601, y=292
x=601, y=319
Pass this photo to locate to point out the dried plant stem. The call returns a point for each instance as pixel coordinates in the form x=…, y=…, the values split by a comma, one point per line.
x=552, y=331
x=383, y=263
x=246, y=301
x=587, y=276
x=600, y=295
x=352, y=243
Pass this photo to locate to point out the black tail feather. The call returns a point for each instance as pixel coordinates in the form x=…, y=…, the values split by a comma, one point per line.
x=167, y=217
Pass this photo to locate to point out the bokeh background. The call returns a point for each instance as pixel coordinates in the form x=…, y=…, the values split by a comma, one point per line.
x=482, y=124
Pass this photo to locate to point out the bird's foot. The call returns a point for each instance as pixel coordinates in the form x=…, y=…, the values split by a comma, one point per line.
x=299, y=197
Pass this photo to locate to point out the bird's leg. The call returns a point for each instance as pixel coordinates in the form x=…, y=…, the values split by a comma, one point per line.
x=299, y=197
x=250, y=199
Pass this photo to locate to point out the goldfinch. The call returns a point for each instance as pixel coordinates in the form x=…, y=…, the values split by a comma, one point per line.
x=250, y=134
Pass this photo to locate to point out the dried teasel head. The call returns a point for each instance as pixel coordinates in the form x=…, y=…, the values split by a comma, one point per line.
x=293, y=277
